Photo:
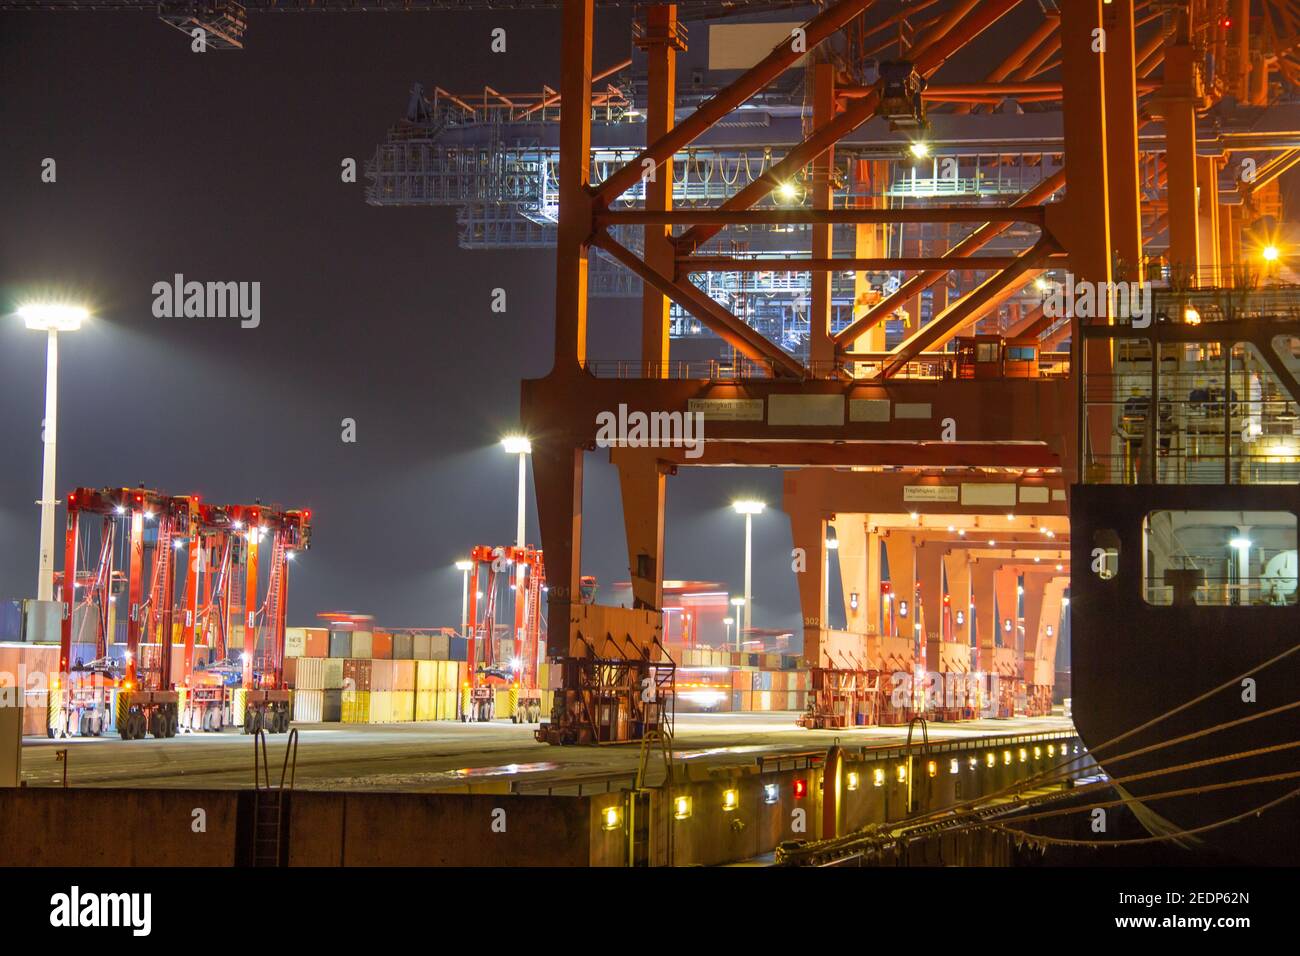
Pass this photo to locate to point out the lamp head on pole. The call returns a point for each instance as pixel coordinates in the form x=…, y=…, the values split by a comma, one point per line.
x=464, y=565
x=748, y=506
x=53, y=316
x=517, y=444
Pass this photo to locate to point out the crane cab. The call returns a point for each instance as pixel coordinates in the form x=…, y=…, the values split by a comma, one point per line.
x=991, y=356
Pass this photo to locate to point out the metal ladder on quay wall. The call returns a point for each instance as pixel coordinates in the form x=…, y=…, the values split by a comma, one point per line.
x=268, y=802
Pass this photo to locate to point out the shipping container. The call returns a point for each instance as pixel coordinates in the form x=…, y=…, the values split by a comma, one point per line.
x=381, y=676
x=426, y=675
x=402, y=706
x=457, y=649
x=331, y=706
x=332, y=673
x=363, y=645
x=317, y=642
x=440, y=647
x=426, y=702
x=404, y=675
x=308, y=673
x=403, y=647
x=308, y=706
x=356, y=707
x=502, y=703
x=290, y=671
x=295, y=641
x=421, y=647
x=340, y=644
x=381, y=645
x=357, y=674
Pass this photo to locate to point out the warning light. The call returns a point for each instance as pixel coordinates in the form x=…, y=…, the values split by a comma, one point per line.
x=682, y=808
x=853, y=779
x=902, y=773
x=730, y=799
x=878, y=777
x=932, y=768
x=800, y=788
x=613, y=818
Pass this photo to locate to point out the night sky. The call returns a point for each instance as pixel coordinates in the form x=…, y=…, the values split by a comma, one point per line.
x=225, y=167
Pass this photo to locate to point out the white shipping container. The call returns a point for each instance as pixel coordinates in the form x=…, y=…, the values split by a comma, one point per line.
x=295, y=641
x=332, y=672
x=309, y=673
x=308, y=706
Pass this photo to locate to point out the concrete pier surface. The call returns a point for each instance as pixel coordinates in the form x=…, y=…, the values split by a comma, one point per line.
x=447, y=756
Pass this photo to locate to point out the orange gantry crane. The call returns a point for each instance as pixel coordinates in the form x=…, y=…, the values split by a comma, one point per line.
x=487, y=667
x=138, y=692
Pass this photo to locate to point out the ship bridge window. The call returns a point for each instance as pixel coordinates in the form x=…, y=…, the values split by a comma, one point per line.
x=1219, y=558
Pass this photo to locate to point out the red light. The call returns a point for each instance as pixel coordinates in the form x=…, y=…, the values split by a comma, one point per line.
x=947, y=599
x=1227, y=23
x=800, y=788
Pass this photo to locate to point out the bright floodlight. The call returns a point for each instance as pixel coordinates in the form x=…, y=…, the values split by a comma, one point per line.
x=1241, y=544
x=788, y=191
x=517, y=445
x=738, y=602
x=833, y=544
x=53, y=316
x=1270, y=253
x=464, y=565
x=748, y=506
x=728, y=621
x=920, y=149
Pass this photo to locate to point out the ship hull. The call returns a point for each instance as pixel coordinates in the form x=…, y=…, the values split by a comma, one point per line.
x=1184, y=670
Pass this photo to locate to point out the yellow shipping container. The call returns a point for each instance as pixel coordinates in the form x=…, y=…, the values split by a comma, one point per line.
x=426, y=675
x=426, y=702
x=356, y=707
x=403, y=706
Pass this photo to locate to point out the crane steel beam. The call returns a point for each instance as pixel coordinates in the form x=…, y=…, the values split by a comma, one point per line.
x=728, y=327
x=1033, y=215
x=926, y=61
x=696, y=8
x=818, y=264
x=985, y=234
x=958, y=314
x=753, y=80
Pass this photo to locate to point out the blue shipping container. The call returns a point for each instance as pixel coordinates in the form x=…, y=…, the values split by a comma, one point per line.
x=11, y=621
x=340, y=644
